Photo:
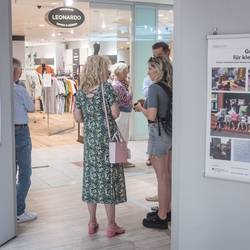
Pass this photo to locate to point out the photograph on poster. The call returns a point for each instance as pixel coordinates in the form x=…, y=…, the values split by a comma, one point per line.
x=220, y=148
x=248, y=79
x=230, y=115
x=241, y=150
x=228, y=79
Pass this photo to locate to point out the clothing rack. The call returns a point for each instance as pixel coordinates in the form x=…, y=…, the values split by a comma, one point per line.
x=48, y=116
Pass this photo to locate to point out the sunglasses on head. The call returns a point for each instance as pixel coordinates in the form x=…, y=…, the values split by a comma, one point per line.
x=154, y=59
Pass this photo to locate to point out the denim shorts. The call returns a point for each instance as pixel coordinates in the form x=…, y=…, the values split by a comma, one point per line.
x=158, y=145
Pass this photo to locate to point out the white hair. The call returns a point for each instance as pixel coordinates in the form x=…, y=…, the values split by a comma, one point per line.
x=119, y=68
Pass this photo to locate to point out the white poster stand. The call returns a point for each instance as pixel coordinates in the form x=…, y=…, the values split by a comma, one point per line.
x=228, y=107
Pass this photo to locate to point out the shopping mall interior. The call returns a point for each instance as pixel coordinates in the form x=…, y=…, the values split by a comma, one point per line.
x=119, y=28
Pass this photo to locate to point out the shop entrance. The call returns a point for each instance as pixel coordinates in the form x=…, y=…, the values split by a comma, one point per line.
x=57, y=156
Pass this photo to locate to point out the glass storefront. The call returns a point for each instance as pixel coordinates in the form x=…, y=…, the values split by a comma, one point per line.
x=125, y=32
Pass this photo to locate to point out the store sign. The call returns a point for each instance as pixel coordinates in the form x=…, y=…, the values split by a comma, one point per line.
x=66, y=17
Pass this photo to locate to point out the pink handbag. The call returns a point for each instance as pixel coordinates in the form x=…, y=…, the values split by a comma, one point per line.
x=118, y=152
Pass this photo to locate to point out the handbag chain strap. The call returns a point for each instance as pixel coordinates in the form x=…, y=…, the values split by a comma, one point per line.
x=105, y=111
x=107, y=120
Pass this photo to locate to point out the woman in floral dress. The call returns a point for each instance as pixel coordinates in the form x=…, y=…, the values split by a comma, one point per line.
x=102, y=182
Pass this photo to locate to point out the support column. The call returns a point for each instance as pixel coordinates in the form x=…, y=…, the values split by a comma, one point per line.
x=7, y=166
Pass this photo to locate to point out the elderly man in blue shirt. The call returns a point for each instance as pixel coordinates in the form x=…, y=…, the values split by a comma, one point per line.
x=22, y=105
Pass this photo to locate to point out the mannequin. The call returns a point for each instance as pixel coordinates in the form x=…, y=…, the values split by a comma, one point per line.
x=44, y=69
x=96, y=48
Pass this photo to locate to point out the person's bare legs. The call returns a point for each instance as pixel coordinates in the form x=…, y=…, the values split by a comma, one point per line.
x=110, y=211
x=92, y=213
x=163, y=179
x=92, y=226
x=113, y=229
x=169, y=167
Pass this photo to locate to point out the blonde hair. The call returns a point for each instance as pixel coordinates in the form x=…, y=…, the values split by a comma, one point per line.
x=95, y=72
x=164, y=70
x=118, y=68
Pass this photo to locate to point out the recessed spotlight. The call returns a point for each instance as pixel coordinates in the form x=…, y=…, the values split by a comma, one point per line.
x=41, y=25
x=103, y=25
x=53, y=34
x=68, y=2
x=145, y=26
x=72, y=31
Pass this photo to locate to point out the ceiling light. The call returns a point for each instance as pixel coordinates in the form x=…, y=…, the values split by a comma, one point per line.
x=160, y=15
x=72, y=31
x=145, y=26
x=54, y=3
x=103, y=25
x=41, y=25
x=160, y=37
x=68, y=2
x=59, y=34
x=53, y=34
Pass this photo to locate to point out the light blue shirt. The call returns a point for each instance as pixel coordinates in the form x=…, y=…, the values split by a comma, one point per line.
x=22, y=104
x=146, y=83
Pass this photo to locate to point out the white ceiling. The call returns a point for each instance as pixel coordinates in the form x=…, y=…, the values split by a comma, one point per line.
x=29, y=20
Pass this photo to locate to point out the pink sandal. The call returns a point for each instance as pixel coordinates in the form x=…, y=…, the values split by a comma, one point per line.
x=114, y=230
x=93, y=227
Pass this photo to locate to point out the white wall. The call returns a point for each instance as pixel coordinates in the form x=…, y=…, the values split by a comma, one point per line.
x=7, y=166
x=18, y=50
x=123, y=55
x=208, y=214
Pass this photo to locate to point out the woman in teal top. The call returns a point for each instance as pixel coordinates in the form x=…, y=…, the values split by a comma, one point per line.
x=102, y=182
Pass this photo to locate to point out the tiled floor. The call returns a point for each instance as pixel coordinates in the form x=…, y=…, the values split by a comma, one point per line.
x=62, y=223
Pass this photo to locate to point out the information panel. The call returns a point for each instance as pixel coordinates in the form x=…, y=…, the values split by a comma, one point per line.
x=228, y=108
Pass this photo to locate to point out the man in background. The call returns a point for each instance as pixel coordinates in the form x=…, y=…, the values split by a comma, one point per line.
x=22, y=105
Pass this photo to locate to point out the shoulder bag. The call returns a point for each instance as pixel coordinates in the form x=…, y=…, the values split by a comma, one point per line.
x=118, y=152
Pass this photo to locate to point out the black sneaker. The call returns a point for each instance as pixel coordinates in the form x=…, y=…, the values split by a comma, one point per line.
x=153, y=213
x=155, y=222
x=150, y=214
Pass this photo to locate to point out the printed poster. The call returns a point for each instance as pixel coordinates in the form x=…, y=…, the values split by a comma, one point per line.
x=228, y=108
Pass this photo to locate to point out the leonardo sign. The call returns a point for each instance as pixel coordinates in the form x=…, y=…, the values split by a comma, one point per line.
x=66, y=17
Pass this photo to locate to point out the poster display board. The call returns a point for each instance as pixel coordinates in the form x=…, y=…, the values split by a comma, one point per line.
x=228, y=108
